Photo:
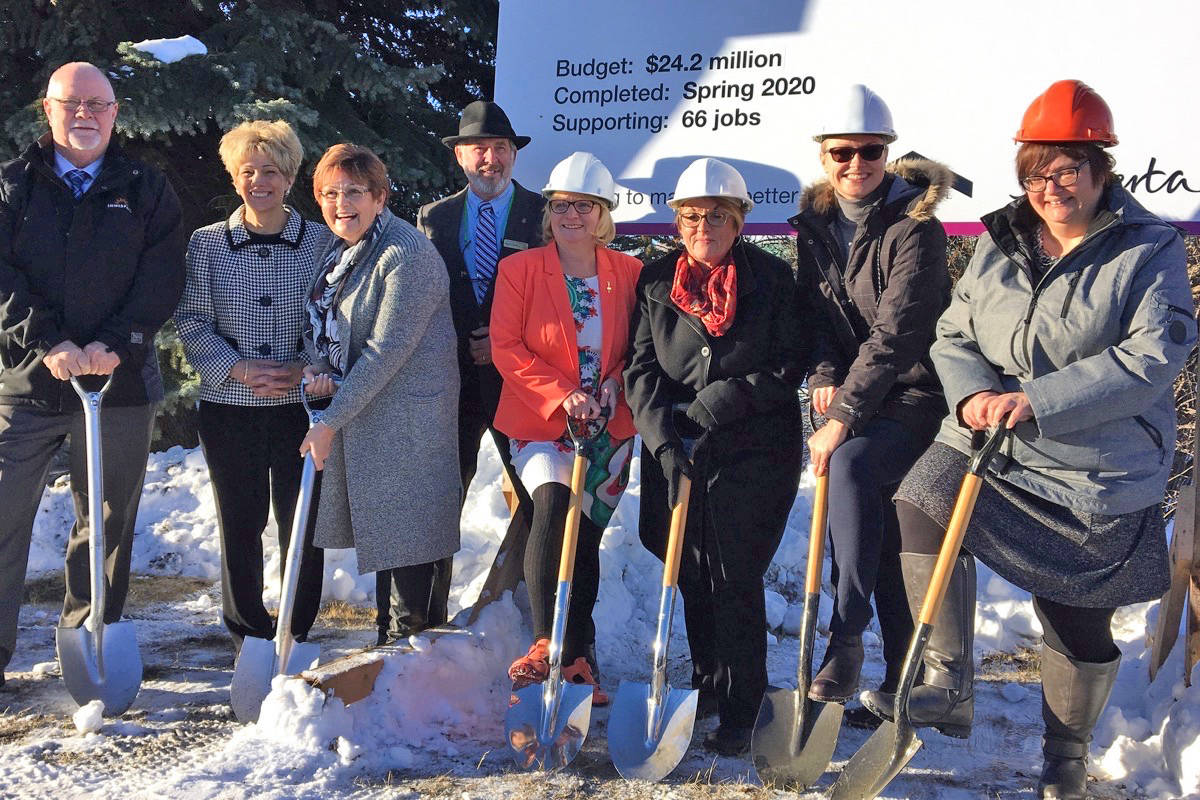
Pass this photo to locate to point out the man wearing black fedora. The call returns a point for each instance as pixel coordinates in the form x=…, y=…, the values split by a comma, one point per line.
x=491, y=217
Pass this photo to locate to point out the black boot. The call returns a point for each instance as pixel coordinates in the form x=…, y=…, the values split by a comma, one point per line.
x=837, y=681
x=1073, y=695
x=946, y=699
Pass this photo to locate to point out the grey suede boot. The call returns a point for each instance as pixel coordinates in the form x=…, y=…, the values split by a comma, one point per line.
x=945, y=700
x=1074, y=693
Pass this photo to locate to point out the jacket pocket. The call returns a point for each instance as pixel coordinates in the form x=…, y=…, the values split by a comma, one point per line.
x=1155, y=436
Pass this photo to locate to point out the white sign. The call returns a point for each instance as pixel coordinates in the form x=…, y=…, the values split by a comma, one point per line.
x=650, y=85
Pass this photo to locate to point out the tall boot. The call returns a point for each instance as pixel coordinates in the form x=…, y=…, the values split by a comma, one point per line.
x=1073, y=695
x=945, y=700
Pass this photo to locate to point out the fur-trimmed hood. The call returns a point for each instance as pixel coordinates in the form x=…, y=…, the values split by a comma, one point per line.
x=921, y=183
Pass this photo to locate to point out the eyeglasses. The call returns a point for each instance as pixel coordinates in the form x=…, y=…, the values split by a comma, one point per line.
x=1067, y=176
x=715, y=218
x=584, y=207
x=353, y=194
x=73, y=103
x=868, y=152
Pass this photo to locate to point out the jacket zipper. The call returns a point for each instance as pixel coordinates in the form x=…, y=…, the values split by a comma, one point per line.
x=1155, y=436
x=1070, y=293
x=1041, y=284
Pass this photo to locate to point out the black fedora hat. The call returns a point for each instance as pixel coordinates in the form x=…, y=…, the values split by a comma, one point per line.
x=484, y=119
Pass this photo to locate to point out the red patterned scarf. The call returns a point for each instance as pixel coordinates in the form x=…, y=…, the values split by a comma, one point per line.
x=708, y=294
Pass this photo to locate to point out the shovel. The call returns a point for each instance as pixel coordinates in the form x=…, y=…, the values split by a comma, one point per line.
x=894, y=743
x=260, y=660
x=650, y=726
x=98, y=661
x=794, y=736
x=546, y=724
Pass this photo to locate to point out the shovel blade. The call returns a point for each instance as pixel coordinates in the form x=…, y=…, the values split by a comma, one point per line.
x=523, y=726
x=872, y=768
x=635, y=754
x=112, y=676
x=256, y=666
x=794, y=738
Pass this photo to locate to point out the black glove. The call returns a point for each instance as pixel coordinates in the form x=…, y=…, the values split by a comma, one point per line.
x=675, y=464
x=701, y=415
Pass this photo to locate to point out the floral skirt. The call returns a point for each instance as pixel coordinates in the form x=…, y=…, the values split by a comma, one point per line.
x=605, y=478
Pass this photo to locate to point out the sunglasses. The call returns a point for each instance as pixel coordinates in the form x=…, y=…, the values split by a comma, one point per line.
x=868, y=152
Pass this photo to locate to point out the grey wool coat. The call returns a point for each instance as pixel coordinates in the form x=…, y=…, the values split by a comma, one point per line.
x=391, y=487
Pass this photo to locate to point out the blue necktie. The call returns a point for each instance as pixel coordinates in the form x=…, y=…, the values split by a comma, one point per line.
x=487, y=251
x=76, y=179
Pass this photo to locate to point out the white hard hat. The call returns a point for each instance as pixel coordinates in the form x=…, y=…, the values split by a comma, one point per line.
x=582, y=173
x=858, y=111
x=711, y=177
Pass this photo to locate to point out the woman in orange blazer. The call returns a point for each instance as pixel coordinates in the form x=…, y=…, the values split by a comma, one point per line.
x=560, y=332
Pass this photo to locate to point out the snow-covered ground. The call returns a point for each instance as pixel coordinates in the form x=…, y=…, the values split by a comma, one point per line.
x=434, y=726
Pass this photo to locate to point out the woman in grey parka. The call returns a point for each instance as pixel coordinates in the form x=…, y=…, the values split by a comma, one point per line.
x=1069, y=326
x=379, y=317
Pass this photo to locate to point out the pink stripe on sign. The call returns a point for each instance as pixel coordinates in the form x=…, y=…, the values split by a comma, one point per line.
x=782, y=228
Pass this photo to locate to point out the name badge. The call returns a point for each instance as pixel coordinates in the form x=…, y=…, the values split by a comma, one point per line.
x=515, y=245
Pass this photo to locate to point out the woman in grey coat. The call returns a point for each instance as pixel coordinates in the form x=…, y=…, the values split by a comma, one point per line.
x=1069, y=327
x=379, y=319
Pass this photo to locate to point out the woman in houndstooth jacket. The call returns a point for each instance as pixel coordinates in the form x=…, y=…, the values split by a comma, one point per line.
x=240, y=323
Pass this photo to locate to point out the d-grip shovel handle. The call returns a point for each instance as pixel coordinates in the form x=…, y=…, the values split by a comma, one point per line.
x=963, y=507
x=84, y=393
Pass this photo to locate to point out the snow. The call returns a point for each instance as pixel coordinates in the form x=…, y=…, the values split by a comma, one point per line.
x=438, y=709
x=168, y=51
x=89, y=717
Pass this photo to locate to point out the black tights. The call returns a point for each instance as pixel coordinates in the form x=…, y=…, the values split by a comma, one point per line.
x=1083, y=634
x=542, y=554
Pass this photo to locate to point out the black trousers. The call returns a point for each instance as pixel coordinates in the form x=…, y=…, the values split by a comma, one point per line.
x=407, y=595
x=736, y=517
x=254, y=462
x=1084, y=634
x=543, y=553
x=864, y=536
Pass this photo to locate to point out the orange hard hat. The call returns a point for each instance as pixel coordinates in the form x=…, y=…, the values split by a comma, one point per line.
x=1069, y=111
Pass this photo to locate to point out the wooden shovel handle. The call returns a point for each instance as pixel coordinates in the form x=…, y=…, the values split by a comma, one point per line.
x=675, y=537
x=566, y=564
x=951, y=544
x=816, y=535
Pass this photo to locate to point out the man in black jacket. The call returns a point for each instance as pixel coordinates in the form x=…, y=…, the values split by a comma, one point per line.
x=492, y=217
x=91, y=265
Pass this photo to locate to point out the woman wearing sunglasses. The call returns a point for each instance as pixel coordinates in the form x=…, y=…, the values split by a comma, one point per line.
x=560, y=331
x=718, y=354
x=1069, y=326
x=873, y=253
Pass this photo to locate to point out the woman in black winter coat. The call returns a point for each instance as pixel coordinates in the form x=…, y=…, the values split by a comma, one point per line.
x=718, y=354
x=874, y=255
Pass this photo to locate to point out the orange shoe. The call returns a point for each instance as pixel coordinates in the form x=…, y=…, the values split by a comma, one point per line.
x=531, y=668
x=581, y=672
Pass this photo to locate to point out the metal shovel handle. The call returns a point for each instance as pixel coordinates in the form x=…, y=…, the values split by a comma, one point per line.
x=295, y=552
x=92, y=401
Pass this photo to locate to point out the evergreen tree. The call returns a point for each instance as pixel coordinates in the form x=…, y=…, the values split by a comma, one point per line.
x=388, y=74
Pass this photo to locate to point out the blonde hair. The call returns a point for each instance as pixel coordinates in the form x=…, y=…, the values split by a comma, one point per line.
x=606, y=229
x=275, y=139
x=727, y=204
